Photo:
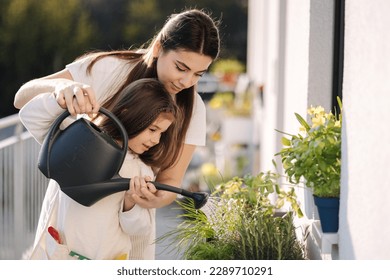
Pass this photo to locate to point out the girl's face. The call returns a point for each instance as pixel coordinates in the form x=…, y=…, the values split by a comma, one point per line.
x=180, y=69
x=150, y=136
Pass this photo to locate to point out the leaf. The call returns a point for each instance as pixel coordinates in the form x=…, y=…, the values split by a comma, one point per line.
x=298, y=211
x=279, y=203
x=302, y=121
x=286, y=141
x=339, y=102
x=283, y=132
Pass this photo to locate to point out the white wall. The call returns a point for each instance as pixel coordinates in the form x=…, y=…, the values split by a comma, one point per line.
x=365, y=149
x=268, y=41
x=256, y=53
x=291, y=43
x=291, y=50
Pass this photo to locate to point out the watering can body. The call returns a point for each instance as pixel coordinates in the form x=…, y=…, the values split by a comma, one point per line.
x=82, y=153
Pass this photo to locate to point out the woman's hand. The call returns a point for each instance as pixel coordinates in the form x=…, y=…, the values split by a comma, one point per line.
x=76, y=97
x=139, y=191
x=145, y=194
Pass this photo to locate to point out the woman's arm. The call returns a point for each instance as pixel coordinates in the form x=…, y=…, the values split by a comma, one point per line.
x=37, y=86
x=77, y=97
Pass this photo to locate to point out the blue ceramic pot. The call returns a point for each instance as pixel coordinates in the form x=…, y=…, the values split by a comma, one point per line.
x=328, y=210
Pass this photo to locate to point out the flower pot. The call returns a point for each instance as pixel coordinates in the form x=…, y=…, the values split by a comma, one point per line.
x=328, y=210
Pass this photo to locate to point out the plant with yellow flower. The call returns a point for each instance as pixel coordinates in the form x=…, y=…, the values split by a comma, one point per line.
x=315, y=152
x=254, y=192
x=241, y=221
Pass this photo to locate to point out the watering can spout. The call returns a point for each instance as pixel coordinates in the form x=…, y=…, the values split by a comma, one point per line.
x=91, y=193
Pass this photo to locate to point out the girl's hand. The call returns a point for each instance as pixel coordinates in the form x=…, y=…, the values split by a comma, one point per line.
x=139, y=191
x=150, y=197
x=78, y=98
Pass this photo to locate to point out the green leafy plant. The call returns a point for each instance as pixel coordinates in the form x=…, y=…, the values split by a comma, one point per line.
x=255, y=191
x=240, y=221
x=268, y=237
x=314, y=154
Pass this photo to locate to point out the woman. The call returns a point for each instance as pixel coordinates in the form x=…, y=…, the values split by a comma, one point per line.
x=178, y=56
x=113, y=227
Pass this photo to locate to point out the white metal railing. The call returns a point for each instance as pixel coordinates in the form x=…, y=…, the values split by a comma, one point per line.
x=22, y=188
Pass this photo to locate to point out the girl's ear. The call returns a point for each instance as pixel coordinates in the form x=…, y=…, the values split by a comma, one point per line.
x=156, y=48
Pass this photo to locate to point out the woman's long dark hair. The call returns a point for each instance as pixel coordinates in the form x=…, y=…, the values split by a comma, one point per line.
x=138, y=105
x=192, y=30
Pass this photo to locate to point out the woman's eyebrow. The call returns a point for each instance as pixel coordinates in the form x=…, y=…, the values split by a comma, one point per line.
x=187, y=67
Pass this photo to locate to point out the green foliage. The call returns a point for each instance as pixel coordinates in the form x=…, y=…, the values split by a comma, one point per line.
x=239, y=222
x=38, y=37
x=250, y=190
x=54, y=30
x=144, y=19
x=212, y=250
x=266, y=237
x=315, y=153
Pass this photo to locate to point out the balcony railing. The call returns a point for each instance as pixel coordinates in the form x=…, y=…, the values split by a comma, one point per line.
x=22, y=188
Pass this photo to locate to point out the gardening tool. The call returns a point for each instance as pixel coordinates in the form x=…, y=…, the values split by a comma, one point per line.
x=85, y=161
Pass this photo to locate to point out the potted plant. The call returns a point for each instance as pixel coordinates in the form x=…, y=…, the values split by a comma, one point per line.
x=314, y=154
x=228, y=70
x=240, y=221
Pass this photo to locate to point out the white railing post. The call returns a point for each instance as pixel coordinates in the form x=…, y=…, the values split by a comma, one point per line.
x=19, y=193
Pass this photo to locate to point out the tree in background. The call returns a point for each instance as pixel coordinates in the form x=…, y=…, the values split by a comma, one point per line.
x=143, y=21
x=38, y=37
x=145, y=17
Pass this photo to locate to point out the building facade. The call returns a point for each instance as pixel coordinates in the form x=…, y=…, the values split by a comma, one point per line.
x=305, y=52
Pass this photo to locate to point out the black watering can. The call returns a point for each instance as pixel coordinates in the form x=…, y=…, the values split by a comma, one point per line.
x=85, y=161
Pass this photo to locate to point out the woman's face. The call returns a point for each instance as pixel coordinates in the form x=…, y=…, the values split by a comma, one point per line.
x=180, y=69
x=150, y=136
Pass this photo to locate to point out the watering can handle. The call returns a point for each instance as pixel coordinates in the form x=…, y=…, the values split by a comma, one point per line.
x=56, y=124
x=102, y=110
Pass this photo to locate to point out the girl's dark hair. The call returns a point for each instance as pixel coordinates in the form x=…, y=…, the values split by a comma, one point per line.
x=138, y=105
x=192, y=30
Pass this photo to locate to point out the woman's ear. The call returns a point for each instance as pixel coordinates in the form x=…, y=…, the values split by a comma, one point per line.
x=156, y=48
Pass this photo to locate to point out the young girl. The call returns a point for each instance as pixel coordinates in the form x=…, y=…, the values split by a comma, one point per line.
x=178, y=56
x=115, y=226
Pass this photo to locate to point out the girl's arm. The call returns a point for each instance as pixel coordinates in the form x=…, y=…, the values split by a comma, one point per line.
x=39, y=113
x=137, y=221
